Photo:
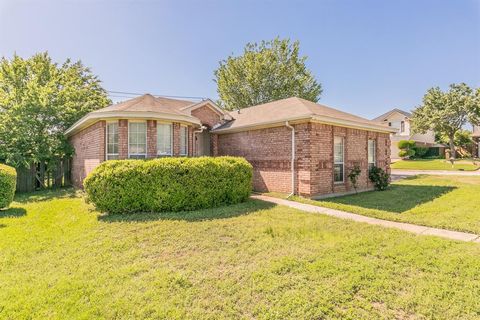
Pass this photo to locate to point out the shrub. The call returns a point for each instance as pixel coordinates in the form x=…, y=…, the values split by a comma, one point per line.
x=8, y=183
x=406, y=153
x=353, y=176
x=407, y=148
x=420, y=152
x=379, y=177
x=168, y=184
x=406, y=144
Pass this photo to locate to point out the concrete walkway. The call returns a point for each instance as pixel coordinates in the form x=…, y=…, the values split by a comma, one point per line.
x=401, y=172
x=453, y=235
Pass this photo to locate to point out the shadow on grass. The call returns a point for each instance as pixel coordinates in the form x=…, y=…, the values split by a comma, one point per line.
x=247, y=207
x=397, y=198
x=13, y=212
x=45, y=195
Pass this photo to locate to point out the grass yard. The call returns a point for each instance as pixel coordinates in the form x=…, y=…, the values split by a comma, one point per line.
x=435, y=164
x=448, y=202
x=59, y=259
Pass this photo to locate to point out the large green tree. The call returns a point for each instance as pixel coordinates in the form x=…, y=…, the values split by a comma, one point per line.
x=265, y=72
x=39, y=100
x=447, y=112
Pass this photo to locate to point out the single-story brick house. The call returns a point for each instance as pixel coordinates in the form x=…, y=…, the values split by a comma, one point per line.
x=293, y=144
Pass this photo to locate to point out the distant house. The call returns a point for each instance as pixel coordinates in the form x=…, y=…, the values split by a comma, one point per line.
x=476, y=139
x=400, y=120
x=294, y=145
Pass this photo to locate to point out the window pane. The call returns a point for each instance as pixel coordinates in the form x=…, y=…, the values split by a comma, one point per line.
x=164, y=139
x=338, y=150
x=137, y=139
x=338, y=172
x=183, y=140
x=112, y=141
x=371, y=151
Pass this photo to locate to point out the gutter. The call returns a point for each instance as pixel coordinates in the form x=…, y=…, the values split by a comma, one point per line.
x=314, y=118
x=195, y=135
x=293, y=157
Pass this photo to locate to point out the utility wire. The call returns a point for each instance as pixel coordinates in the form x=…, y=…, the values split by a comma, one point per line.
x=121, y=94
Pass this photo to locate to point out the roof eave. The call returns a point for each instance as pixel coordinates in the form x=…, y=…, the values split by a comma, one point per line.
x=353, y=124
x=93, y=117
x=314, y=118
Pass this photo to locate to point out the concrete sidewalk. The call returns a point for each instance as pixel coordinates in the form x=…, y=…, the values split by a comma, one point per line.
x=402, y=172
x=413, y=228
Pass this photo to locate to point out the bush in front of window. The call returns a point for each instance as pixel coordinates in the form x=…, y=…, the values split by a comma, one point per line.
x=8, y=183
x=379, y=177
x=353, y=176
x=168, y=184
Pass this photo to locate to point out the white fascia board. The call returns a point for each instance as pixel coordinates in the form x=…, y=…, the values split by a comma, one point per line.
x=93, y=117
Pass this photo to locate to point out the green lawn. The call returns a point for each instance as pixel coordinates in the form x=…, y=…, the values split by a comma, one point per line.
x=435, y=164
x=448, y=202
x=59, y=259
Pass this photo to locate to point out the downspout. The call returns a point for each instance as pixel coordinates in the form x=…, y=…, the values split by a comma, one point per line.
x=195, y=137
x=293, y=157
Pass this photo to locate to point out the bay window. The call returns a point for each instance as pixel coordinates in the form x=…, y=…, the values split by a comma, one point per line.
x=338, y=159
x=183, y=140
x=111, y=141
x=164, y=139
x=137, y=140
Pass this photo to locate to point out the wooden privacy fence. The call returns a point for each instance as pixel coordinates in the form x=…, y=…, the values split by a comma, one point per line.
x=44, y=175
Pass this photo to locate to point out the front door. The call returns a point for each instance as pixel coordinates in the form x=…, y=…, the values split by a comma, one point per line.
x=203, y=140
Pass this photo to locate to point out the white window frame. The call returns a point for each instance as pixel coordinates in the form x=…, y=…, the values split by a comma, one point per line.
x=138, y=155
x=171, y=139
x=186, y=140
x=374, y=155
x=337, y=162
x=107, y=155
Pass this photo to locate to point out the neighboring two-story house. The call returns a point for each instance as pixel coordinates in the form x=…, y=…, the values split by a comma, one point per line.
x=400, y=120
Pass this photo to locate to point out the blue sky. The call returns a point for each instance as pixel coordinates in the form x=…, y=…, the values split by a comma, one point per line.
x=370, y=56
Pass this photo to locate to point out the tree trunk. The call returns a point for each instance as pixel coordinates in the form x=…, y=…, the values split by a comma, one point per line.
x=452, y=147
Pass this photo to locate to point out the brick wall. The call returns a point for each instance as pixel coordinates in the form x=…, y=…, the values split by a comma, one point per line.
x=207, y=116
x=89, y=147
x=151, y=138
x=122, y=139
x=269, y=151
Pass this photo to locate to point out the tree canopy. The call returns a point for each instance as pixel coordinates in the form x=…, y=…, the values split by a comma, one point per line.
x=265, y=72
x=39, y=100
x=447, y=112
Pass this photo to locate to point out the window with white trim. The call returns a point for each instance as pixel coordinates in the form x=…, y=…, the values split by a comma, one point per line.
x=372, y=156
x=137, y=140
x=112, y=141
x=183, y=140
x=164, y=139
x=338, y=159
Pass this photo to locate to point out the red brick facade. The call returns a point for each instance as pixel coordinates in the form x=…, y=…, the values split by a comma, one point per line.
x=269, y=151
x=151, y=139
x=89, y=147
x=207, y=116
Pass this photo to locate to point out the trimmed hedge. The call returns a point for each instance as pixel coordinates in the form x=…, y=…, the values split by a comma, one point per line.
x=168, y=184
x=8, y=183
